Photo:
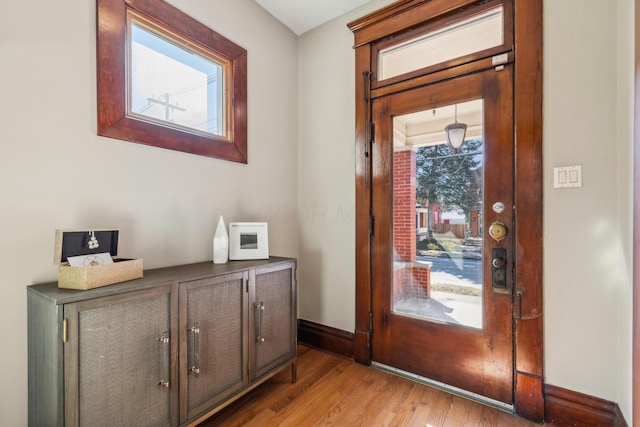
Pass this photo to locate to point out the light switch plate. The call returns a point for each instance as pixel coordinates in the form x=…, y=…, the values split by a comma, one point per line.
x=567, y=177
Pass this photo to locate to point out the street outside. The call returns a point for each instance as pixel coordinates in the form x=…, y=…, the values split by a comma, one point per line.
x=456, y=289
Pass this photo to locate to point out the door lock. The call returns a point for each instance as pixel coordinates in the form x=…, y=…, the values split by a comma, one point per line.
x=497, y=230
x=498, y=262
x=499, y=271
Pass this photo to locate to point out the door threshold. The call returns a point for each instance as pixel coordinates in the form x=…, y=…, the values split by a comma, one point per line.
x=446, y=387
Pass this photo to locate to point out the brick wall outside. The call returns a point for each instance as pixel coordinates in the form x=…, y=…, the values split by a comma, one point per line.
x=404, y=205
x=409, y=277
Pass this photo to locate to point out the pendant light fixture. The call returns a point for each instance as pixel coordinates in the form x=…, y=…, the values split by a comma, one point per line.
x=455, y=133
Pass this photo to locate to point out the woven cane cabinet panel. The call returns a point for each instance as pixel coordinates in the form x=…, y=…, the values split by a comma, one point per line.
x=168, y=349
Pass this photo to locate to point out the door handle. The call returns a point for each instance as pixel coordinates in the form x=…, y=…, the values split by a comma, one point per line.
x=498, y=262
x=497, y=230
x=499, y=271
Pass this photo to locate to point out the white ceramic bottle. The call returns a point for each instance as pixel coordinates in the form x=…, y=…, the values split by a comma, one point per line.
x=221, y=243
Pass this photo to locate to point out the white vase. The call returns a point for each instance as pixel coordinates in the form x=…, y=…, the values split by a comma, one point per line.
x=221, y=243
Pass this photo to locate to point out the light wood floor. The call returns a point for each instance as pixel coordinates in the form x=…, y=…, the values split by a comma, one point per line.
x=339, y=392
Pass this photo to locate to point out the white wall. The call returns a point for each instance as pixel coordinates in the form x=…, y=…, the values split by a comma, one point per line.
x=587, y=259
x=56, y=173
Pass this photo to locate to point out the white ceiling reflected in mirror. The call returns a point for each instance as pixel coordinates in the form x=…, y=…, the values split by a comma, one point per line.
x=427, y=127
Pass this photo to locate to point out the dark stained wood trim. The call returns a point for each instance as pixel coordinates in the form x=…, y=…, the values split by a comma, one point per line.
x=529, y=395
x=528, y=200
x=326, y=338
x=362, y=353
x=636, y=230
x=569, y=408
x=400, y=16
x=438, y=76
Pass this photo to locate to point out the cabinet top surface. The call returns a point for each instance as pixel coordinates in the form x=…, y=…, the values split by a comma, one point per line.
x=155, y=277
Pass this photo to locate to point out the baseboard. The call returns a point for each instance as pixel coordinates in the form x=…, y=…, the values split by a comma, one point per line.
x=326, y=338
x=564, y=407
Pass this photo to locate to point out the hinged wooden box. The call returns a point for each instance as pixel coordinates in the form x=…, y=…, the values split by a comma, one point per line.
x=71, y=243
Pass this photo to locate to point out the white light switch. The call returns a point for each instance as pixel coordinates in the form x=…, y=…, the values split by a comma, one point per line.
x=567, y=177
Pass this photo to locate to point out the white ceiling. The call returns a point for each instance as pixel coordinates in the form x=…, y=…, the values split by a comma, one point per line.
x=303, y=15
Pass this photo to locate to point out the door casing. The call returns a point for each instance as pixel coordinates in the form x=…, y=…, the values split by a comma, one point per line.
x=527, y=55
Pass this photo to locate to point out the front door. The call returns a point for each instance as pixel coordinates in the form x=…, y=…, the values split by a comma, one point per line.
x=442, y=222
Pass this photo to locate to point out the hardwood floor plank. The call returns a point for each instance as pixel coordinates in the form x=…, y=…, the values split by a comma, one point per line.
x=310, y=412
x=332, y=391
x=352, y=408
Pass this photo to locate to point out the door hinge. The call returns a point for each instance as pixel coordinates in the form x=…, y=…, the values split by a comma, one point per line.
x=372, y=130
x=65, y=331
x=370, y=321
x=367, y=76
x=297, y=275
x=371, y=224
x=518, y=304
x=248, y=285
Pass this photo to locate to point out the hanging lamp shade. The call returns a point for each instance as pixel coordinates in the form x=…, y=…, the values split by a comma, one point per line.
x=455, y=133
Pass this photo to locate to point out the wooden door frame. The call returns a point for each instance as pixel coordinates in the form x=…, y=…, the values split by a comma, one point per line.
x=528, y=327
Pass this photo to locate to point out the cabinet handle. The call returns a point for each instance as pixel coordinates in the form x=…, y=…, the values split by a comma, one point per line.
x=195, y=368
x=260, y=312
x=164, y=340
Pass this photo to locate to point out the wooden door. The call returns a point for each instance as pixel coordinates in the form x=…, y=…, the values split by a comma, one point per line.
x=213, y=349
x=416, y=327
x=119, y=360
x=273, y=316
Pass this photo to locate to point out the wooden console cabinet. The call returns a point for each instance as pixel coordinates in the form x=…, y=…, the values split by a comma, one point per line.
x=168, y=349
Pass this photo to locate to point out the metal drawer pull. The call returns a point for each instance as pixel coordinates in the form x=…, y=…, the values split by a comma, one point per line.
x=195, y=369
x=260, y=313
x=164, y=339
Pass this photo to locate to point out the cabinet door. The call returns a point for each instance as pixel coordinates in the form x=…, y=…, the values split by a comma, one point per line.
x=118, y=359
x=273, y=295
x=213, y=352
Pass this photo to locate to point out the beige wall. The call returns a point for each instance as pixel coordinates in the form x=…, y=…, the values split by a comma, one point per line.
x=56, y=173
x=587, y=260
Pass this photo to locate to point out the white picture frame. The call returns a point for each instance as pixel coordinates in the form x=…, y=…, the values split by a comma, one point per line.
x=248, y=240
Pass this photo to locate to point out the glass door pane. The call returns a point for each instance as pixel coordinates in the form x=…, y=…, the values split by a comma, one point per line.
x=437, y=216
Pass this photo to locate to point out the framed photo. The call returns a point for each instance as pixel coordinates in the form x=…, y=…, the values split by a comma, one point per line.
x=248, y=240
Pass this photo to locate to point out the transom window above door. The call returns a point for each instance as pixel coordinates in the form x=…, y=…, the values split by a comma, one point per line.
x=480, y=32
